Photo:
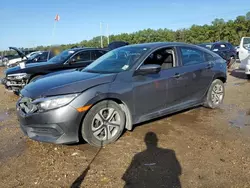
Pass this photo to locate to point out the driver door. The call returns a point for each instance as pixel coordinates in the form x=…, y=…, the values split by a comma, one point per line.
x=149, y=91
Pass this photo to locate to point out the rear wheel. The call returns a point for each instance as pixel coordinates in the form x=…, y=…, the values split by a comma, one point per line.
x=103, y=124
x=248, y=76
x=215, y=94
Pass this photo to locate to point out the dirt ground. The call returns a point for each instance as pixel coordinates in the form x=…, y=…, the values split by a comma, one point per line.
x=196, y=148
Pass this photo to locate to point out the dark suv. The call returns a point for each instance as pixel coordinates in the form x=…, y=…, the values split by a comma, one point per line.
x=224, y=49
x=17, y=77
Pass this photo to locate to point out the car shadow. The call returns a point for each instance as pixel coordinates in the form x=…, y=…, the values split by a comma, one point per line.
x=153, y=167
x=237, y=73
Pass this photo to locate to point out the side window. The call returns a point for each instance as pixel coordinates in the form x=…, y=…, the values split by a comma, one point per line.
x=96, y=54
x=82, y=56
x=43, y=57
x=164, y=57
x=191, y=56
x=224, y=47
x=208, y=57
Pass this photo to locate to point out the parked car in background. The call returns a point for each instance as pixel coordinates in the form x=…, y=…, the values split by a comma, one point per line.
x=224, y=49
x=2, y=61
x=17, y=77
x=19, y=56
x=244, y=55
x=36, y=58
x=126, y=86
x=117, y=44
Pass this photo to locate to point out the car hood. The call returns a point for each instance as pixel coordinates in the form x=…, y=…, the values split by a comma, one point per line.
x=19, y=52
x=66, y=83
x=17, y=69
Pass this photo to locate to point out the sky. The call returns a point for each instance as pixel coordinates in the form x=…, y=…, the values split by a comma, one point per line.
x=30, y=23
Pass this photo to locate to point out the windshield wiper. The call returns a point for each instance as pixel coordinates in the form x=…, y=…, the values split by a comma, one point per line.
x=100, y=72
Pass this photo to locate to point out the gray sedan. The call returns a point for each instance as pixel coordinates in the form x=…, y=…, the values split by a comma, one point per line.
x=124, y=87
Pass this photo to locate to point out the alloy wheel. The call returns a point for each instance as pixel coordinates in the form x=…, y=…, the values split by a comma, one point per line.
x=106, y=124
x=217, y=94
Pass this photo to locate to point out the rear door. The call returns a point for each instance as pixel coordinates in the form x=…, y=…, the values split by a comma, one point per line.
x=95, y=54
x=196, y=73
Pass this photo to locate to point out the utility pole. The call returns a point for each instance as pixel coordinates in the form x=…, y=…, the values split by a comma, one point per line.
x=108, y=33
x=101, y=34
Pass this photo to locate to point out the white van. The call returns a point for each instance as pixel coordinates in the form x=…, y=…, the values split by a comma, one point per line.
x=244, y=55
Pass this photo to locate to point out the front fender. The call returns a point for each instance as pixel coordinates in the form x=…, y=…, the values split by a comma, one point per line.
x=107, y=92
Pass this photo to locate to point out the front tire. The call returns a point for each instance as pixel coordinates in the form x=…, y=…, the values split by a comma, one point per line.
x=103, y=124
x=215, y=94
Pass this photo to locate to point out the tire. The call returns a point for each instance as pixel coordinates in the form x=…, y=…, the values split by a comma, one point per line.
x=95, y=126
x=215, y=94
x=34, y=78
x=248, y=76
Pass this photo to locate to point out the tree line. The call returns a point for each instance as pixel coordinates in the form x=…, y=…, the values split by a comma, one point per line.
x=219, y=30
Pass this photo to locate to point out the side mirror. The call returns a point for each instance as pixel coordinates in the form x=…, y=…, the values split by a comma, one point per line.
x=149, y=69
x=36, y=59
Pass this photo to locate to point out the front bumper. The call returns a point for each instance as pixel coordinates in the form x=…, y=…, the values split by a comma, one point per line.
x=13, y=85
x=59, y=126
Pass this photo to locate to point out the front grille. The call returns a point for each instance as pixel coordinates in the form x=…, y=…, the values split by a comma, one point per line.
x=27, y=106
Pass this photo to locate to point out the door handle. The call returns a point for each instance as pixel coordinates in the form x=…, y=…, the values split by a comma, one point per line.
x=177, y=75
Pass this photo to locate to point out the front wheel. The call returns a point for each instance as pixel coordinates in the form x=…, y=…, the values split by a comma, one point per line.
x=103, y=124
x=215, y=94
x=248, y=76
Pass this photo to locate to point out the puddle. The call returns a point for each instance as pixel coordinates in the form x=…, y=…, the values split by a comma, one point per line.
x=242, y=119
x=239, y=84
x=4, y=116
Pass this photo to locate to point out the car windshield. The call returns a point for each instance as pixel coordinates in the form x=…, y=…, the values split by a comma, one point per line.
x=118, y=60
x=62, y=57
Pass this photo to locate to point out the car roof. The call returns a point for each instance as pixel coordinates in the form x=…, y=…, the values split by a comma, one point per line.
x=160, y=44
x=78, y=49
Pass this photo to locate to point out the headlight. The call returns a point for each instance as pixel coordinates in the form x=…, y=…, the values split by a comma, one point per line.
x=18, y=76
x=49, y=103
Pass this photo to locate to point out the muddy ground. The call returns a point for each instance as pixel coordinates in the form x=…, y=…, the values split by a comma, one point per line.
x=196, y=148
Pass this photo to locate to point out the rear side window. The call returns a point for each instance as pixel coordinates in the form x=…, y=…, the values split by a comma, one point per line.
x=82, y=56
x=191, y=56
